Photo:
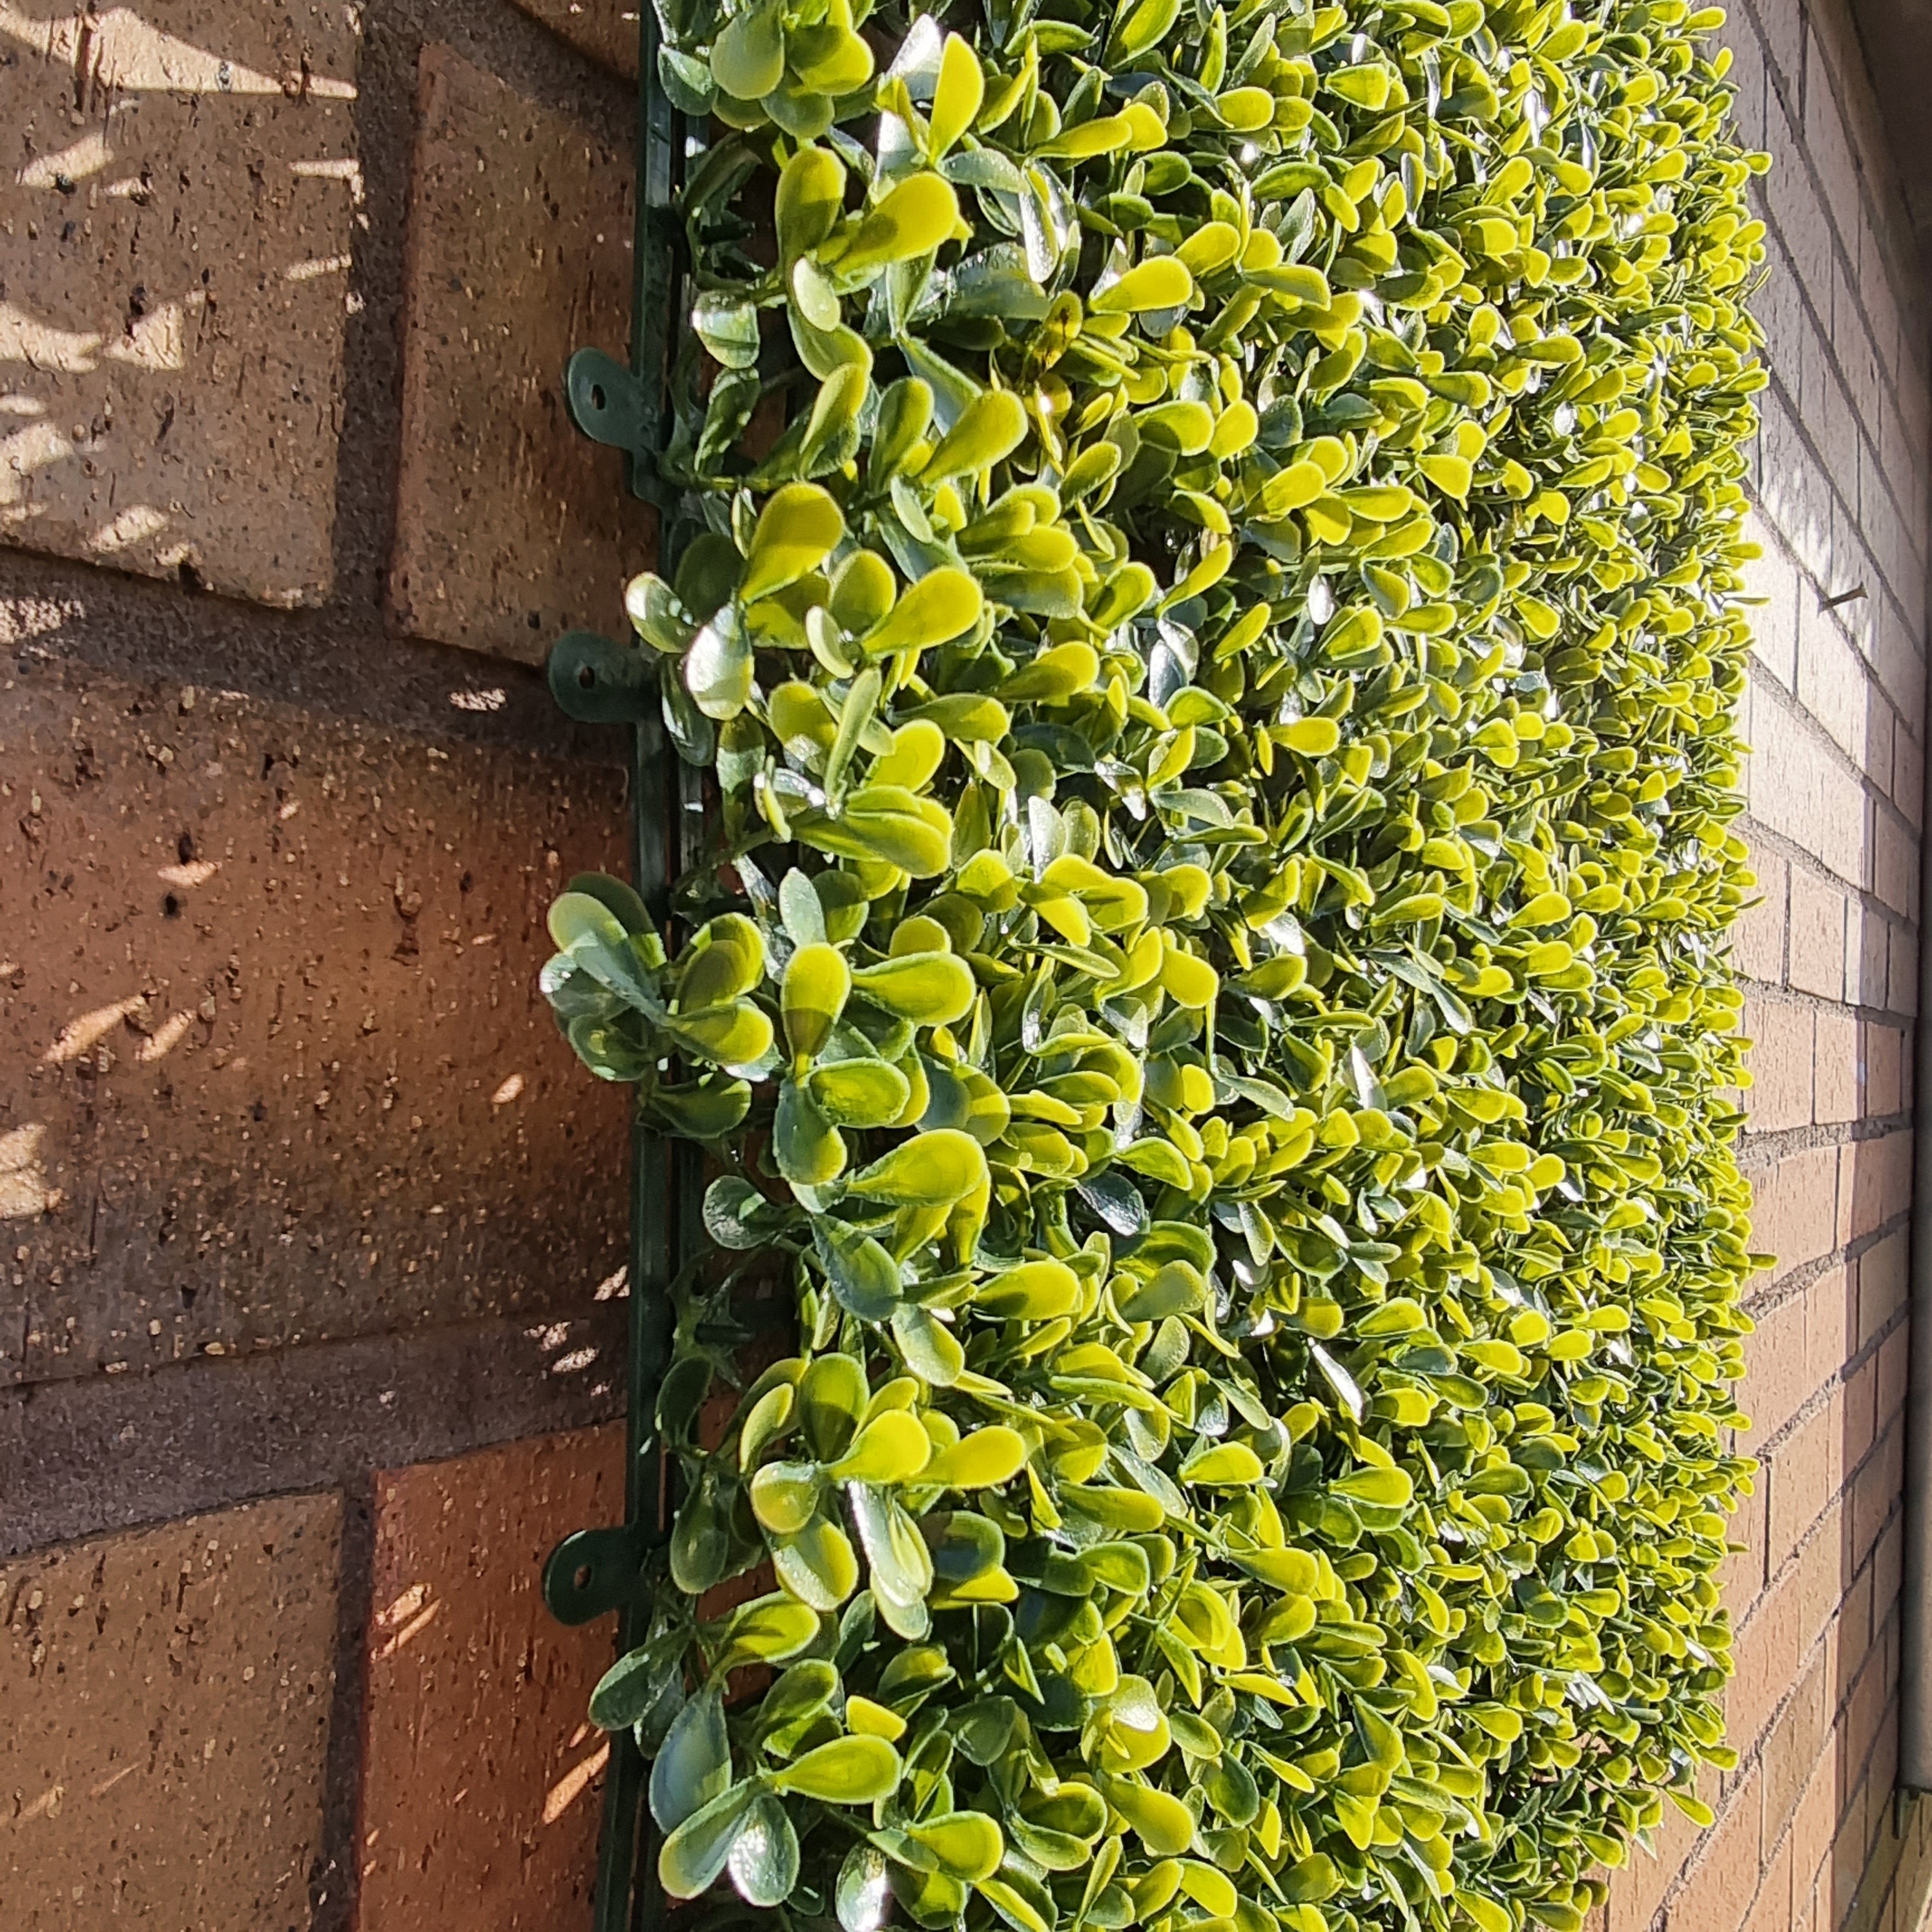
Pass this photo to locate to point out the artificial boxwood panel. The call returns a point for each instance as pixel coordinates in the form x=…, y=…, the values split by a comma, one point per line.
x=1213, y=622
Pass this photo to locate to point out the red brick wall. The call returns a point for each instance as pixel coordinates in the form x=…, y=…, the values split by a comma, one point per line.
x=1806, y=1836
x=311, y=1322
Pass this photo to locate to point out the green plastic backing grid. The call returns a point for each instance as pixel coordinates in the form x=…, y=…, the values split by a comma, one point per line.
x=594, y=1571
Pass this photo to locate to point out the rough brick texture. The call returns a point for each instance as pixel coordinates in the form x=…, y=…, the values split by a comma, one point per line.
x=167, y=1694
x=606, y=30
x=482, y=1776
x=1805, y=1835
x=177, y=204
x=511, y=526
x=293, y=951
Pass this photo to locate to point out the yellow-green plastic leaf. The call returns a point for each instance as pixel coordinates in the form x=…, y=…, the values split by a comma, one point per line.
x=693, y=1858
x=809, y=1150
x=812, y=996
x=1384, y=1489
x=956, y=97
x=914, y=219
x=1312, y=737
x=1034, y=1291
x=979, y=1461
x=785, y=1495
x=797, y=530
x=747, y=58
x=832, y=1396
x=1160, y=282
x=932, y=1170
x=1162, y=1822
x=944, y=605
x=718, y=665
x=968, y=1844
x=864, y=1278
x=738, y=1035
x=990, y=428
x=848, y=1770
x=1227, y=1465
x=860, y=1093
x=929, y=988
x=891, y=1448
x=811, y=193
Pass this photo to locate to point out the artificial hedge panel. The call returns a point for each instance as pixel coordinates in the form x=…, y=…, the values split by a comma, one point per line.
x=1209, y=969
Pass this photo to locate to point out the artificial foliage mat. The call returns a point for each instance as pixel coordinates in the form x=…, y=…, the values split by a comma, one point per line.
x=1213, y=628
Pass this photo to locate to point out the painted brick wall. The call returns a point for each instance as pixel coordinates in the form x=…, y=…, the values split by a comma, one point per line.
x=311, y=1235
x=1806, y=1835
x=310, y=1293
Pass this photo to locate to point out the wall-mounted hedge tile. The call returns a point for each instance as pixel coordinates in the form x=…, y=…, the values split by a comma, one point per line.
x=177, y=219
x=510, y=525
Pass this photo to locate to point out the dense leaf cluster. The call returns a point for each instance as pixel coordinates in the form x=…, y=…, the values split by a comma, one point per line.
x=1213, y=624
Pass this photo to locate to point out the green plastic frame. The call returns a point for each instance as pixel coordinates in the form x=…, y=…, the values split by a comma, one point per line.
x=596, y=1571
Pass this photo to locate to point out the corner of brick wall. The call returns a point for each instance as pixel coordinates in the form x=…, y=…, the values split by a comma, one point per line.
x=312, y=1306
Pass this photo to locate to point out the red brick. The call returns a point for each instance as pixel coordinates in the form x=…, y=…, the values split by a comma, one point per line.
x=1775, y=1385
x=1780, y=1061
x=1794, y=1206
x=167, y=1694
x=1767, y=1651
x=175, y=405
x=1791, y=1749
x=1882, y=1286
x=511, y=526
x=1831, y=1320
x=1817, y=955
x=1719, y=1886
x=1874, y=1183
x=604, y=29
x=480, y=1780
x=1804, y=1472
x=273, y=1032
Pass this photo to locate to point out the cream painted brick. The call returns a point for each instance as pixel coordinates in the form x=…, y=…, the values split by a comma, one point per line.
x=1798, y=785
x=1818, y=910
x=1780, y=1061
x=1774, y=576
x=1902, y=979
x=1867, y=957
x=1796, y=213
x=1831, y=681
x=1793, y=492
x=174, y=326
x=1895, y=865
x=1781, y=24
x=1826, y=407
x=1908, y=776
x=1757, y=940
x=1837, y=1068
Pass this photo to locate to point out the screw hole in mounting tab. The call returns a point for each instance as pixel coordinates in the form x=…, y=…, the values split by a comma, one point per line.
x=597, y=396
x=586, y=678
x=593, y=1571
x=598, y=681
